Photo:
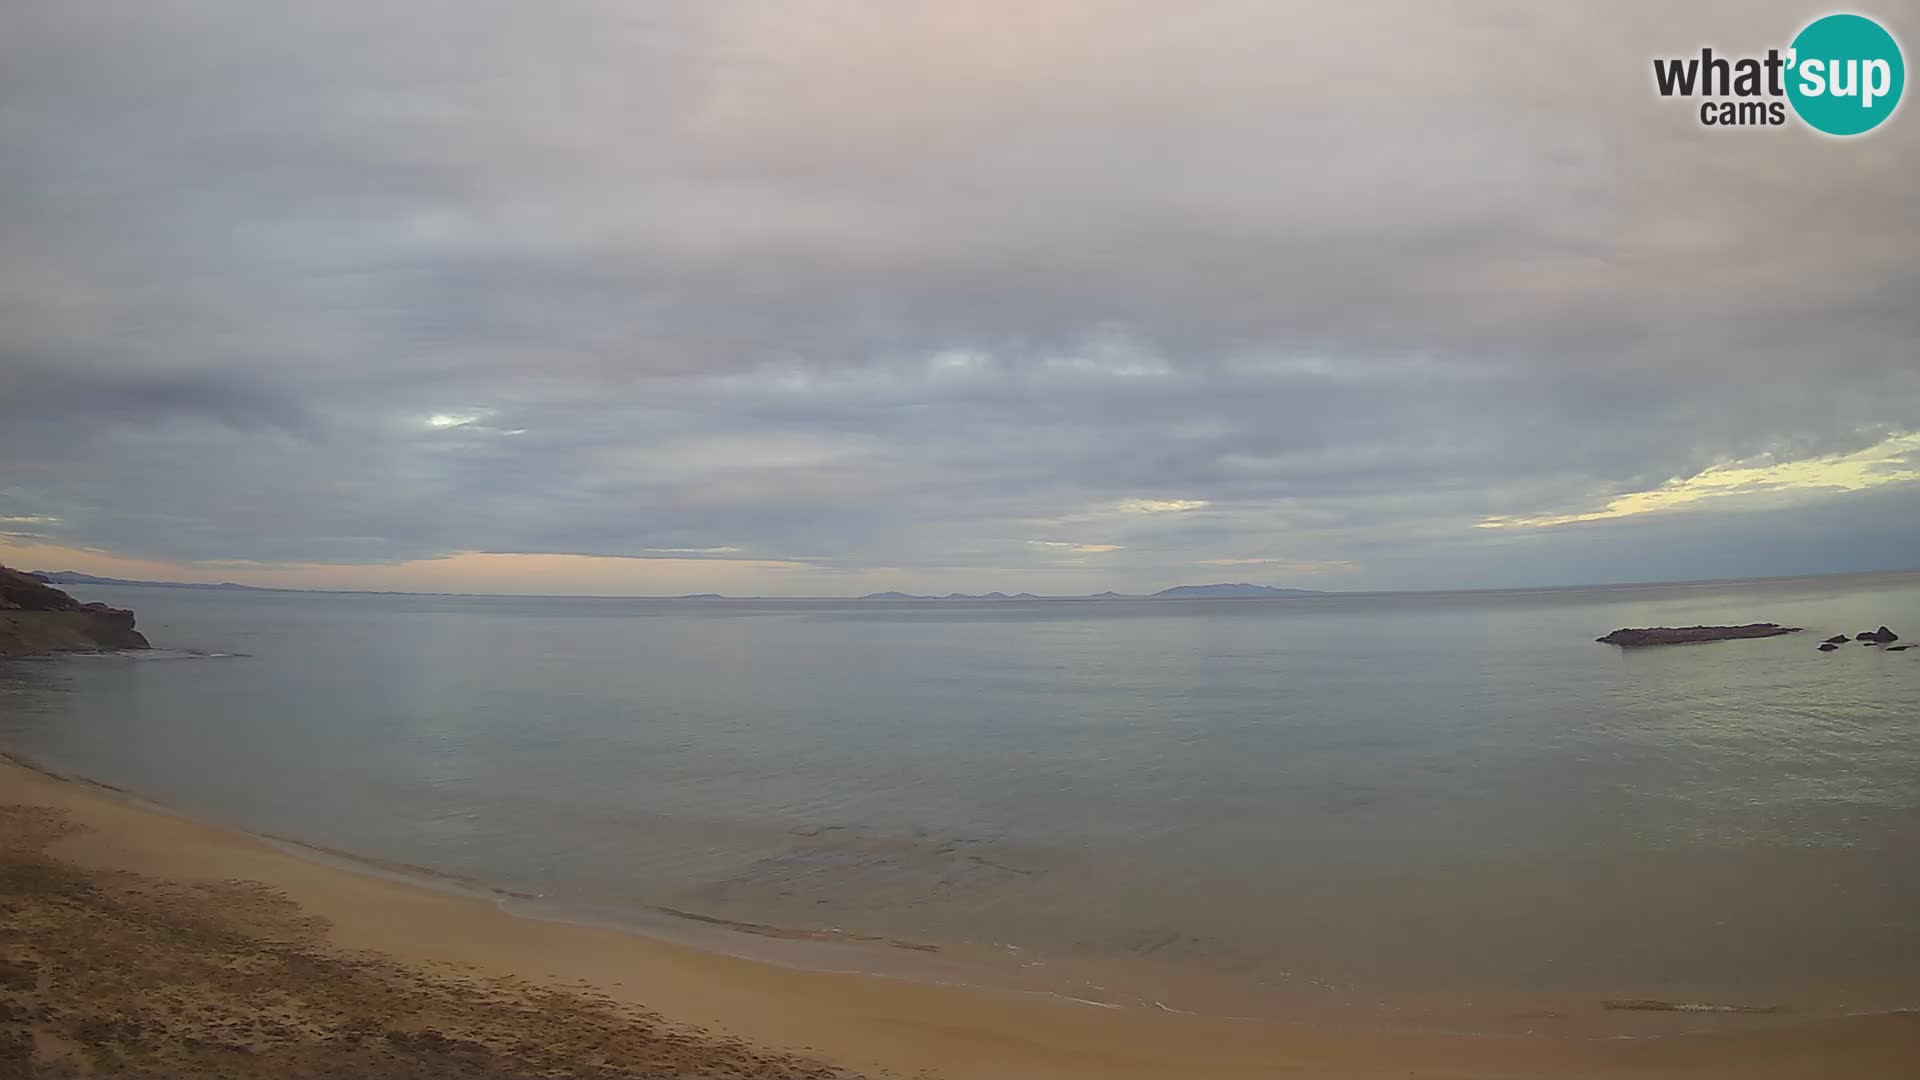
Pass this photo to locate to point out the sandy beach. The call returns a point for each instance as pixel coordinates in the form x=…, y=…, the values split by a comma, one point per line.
x=139, y=942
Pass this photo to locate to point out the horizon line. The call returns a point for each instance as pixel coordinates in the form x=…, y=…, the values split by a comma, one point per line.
x=881, y=597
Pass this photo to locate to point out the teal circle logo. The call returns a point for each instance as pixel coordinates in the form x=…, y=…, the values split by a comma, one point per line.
x=1846, y=74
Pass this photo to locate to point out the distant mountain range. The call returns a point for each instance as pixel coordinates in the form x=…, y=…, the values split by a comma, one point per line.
x=75, y=577
x=1235, y=591
x=1223, y=591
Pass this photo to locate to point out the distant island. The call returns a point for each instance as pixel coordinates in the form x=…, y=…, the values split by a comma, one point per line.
x=1239, y=591
x=962, y=596
x=1223, y=591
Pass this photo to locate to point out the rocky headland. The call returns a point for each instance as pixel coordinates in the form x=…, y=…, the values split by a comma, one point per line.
x=36, y=618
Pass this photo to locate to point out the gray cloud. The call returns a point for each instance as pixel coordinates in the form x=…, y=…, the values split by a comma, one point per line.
x=910, y=286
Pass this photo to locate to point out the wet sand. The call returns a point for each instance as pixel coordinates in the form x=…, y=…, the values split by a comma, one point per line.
x=136, y=942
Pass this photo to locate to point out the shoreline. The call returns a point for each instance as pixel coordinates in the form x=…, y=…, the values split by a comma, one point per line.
x=1121, y=986
x=865, y=1022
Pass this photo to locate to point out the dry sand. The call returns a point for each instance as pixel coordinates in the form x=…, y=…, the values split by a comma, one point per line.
x=136, y=942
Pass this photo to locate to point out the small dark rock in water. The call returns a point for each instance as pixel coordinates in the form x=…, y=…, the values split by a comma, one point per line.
x=1828, y=646
x=1864, y=635
x=1687, y=635
x=1837, y=639
x=1884, y=635
x=1899, y=648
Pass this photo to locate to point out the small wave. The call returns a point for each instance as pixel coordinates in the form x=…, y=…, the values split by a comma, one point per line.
x=147, y=655
x=1658, y=1005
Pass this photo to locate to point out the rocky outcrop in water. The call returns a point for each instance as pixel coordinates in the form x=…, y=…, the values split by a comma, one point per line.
x=1689, y=635
x=1869, y=638
x=37, y=618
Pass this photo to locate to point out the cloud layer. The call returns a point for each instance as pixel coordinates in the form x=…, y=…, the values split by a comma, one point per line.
x=807, y=298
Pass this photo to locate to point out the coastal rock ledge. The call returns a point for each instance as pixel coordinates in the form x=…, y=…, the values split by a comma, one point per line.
x=36, y=618
x=1688, y=635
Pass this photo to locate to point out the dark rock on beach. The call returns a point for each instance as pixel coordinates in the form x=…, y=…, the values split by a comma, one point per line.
x=37, y=618
x=1688, y=635
x=1828, y=646
x=1837, y=639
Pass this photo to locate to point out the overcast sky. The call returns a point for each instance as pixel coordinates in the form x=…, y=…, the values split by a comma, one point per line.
x=815, y=299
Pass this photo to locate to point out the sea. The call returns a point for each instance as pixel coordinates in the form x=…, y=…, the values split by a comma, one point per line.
x=1451, y=810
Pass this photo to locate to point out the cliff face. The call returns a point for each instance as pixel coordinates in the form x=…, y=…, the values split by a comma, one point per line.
x=37, y=618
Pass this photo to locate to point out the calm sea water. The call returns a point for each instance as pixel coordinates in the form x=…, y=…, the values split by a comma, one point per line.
x=1367, y=799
